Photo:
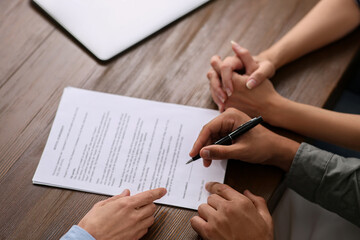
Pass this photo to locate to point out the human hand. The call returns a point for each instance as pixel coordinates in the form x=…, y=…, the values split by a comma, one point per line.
x=229, y=214
x=257, y=68
x=263, y=101
x=220, y=78
x=259, y=145
x=122, y=216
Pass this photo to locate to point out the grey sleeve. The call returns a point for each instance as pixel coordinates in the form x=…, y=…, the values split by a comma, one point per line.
x=327, y=179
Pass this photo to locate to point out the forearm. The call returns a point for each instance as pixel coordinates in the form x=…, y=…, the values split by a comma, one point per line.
x=329, y=126
x=328, y=21
x=327, y=179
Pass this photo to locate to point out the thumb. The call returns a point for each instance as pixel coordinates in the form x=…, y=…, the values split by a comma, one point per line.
x=219, y=152
x=264, y=72
x=260, y=205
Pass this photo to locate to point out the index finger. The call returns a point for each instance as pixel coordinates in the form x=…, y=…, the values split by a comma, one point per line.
x=147, y=197
x=222, y=190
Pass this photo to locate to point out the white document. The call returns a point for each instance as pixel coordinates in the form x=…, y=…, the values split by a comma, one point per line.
x=104, y=143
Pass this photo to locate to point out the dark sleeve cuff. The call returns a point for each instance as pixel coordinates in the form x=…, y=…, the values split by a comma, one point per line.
x=307, y=170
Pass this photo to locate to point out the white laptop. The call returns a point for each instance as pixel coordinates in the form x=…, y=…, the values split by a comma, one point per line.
x=107, y=27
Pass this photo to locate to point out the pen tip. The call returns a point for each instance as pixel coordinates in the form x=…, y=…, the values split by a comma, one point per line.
x=191, y=160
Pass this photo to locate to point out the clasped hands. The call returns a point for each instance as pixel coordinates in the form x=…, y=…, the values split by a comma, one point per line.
x=242, y=91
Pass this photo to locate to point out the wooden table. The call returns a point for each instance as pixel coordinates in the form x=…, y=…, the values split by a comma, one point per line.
x=39, y=59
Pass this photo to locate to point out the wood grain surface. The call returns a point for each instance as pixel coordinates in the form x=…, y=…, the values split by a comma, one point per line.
x=39, y=59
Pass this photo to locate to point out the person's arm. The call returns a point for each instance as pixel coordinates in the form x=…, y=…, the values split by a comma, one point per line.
x=329, y=126
x=338, y=128
x=328, y=21
x=119, y=217
x=341, y=129
x=327, y=179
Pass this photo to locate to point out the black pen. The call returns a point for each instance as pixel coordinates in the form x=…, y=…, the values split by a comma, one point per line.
x=227, y=140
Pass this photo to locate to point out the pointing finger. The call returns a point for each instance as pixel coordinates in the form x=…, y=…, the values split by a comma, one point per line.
x=147, y=197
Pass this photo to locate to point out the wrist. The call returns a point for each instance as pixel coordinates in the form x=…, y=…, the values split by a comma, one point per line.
x=273, y=110
x=284, y=154
x=82, y=224
x=270, y=56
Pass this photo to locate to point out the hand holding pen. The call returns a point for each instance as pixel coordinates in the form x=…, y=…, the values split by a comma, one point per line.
x=254, y=146
x=229, y=138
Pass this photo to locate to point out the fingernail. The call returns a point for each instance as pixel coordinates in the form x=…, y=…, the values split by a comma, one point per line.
x=221, y=98
x=237, y=46
x=251, y=83
x=125, y=192
x=228, y=92
x=207, y=163
x=234, y=43
x=206, y=154
x=218, y=106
